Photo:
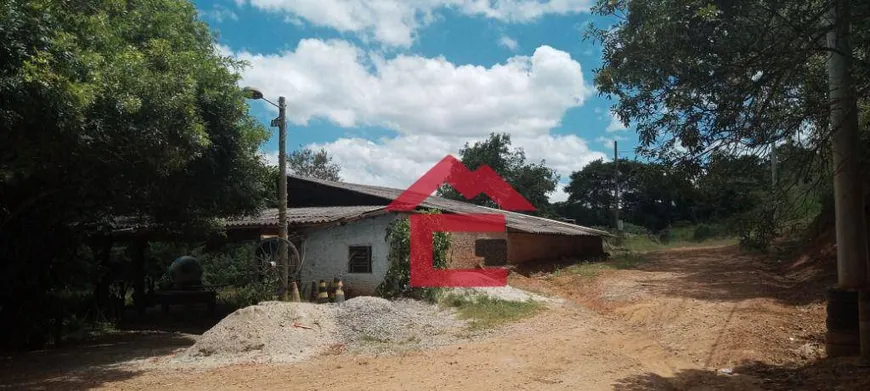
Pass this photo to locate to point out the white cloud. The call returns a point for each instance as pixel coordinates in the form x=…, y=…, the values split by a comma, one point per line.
x=559, y=195
x=608, y=141
x=434, y=106
x=219, y=14
x=615, y=124
x=400, y=161
x=508, y=43
x=270, y=158
x=334, y=80
x=396, y=22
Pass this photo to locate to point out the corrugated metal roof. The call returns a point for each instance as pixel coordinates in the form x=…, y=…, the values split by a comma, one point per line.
x=313, y=215
x=516, y=221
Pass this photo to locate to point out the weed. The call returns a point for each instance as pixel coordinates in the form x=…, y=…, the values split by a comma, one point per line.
x=373, y=339
x=485, y=312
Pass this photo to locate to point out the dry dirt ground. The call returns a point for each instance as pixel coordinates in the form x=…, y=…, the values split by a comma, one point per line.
x=691, y=319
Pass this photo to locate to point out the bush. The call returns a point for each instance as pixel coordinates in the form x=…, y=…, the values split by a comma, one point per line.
x=704, y=232
x=397, y=282
x=756, y=229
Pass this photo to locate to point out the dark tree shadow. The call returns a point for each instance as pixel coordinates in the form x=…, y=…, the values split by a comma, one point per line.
x=837, y=374
x=717, y=274
x=192, y=319
x=729, y=274
x=89, y=363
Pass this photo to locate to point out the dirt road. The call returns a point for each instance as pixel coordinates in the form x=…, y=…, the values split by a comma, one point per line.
x=672, y=323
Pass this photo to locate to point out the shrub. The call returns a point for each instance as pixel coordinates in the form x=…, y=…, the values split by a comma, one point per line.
x=704, y=232
x=397, y=282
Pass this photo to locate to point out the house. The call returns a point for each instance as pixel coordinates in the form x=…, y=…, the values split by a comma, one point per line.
x=341, y=231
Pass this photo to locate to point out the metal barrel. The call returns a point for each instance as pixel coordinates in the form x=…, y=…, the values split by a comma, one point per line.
x=322, y=295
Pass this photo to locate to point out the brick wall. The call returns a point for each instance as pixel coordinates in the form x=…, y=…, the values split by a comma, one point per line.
x=523, y=247
x=469, y=249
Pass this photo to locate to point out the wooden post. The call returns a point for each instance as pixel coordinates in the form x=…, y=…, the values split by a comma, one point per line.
x=138, y=255
x=102, y=251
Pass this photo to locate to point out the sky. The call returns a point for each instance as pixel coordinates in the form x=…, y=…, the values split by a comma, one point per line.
x=390, y=87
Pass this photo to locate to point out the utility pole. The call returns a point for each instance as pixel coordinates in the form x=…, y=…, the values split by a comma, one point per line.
x=851, y=226
x=615, y=187
x=283, y=251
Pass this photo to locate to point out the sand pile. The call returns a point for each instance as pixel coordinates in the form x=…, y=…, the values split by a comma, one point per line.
x=268, y=332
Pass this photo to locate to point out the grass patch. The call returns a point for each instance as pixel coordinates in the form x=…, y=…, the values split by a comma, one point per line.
x=484, y=312
x=640, y=243
x=593, y=269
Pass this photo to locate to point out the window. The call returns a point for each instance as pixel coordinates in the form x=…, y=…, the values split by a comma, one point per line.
x=359, y=259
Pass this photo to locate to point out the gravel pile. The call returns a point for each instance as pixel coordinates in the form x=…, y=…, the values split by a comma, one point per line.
x=375, y=325
x=507, y=293
x=270, y=332
x=265, y=333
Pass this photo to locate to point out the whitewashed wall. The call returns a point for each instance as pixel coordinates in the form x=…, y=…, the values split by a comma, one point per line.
x=326, y=253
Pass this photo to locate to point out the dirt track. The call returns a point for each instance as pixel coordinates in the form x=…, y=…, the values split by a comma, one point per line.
x=669, y=324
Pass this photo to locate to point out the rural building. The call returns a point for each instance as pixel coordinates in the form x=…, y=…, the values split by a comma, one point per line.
x=340, y=229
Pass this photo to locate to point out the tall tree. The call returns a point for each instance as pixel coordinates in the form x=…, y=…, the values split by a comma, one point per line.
x=715, y=74
x=533, y=180
x=314, y=164
x=110, y=108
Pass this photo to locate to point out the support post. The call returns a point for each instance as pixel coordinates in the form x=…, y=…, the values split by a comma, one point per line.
x=139, y=276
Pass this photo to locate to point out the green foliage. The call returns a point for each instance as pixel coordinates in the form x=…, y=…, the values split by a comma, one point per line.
x=230, y=269
x=704, y=232
x=314, y=164
x=485, y=312
x=714, y=76
x=533, y=180
x=712, y=85
x=397, y=282
x=110, y=109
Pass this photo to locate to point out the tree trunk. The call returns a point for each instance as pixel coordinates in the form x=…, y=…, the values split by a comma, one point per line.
x=848, y=186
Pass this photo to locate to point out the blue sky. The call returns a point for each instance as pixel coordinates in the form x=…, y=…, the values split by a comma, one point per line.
x=391, y=87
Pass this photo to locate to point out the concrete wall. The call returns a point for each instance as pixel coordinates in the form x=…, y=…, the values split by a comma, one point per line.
x=326, y=253
x=523, y=247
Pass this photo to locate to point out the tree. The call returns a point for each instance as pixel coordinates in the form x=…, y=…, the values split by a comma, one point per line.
x=652, y=195
x=711, y=75
x=307, y=162
x=533, y=180
x=110, y=109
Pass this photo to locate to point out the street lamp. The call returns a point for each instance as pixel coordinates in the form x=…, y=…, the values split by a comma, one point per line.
x=281, y=124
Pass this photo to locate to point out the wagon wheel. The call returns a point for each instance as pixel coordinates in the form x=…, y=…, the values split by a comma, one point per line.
x=267, y=257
